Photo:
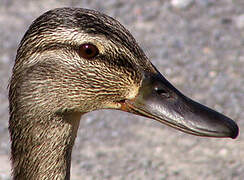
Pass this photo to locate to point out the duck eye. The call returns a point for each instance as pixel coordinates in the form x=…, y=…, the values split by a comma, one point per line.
x=88, y=51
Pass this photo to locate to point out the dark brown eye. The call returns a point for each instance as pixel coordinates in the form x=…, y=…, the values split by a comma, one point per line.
x=88, y=51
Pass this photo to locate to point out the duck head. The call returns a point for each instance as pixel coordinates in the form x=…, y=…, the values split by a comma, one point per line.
x=89, y=61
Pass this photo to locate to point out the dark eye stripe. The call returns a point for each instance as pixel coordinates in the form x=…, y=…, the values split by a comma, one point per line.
x=88, y=51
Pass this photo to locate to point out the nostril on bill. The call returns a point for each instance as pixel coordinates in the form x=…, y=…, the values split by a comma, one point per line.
x=162, y=92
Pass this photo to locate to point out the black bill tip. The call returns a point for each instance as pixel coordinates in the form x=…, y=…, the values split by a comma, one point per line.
x=235, y=131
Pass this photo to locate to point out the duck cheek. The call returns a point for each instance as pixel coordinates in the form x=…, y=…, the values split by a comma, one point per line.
x=112, y=105
x=132, y=92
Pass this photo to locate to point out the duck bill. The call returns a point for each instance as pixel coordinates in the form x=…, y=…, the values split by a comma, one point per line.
x=159, y=100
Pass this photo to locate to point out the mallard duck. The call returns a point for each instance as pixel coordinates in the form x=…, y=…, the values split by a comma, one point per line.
x=72, y=61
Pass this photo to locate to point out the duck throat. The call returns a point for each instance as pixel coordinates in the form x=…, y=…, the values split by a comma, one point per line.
x=42, y=150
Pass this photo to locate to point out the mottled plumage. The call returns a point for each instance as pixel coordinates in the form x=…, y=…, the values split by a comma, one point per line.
x=52, y=85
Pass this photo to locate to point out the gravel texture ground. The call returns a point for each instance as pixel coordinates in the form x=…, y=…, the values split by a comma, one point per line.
x=197, y=45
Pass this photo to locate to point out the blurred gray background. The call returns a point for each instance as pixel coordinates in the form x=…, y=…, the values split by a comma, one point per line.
x=197, y=45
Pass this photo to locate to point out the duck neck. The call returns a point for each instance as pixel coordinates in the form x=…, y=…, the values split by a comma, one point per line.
x=43, y=150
